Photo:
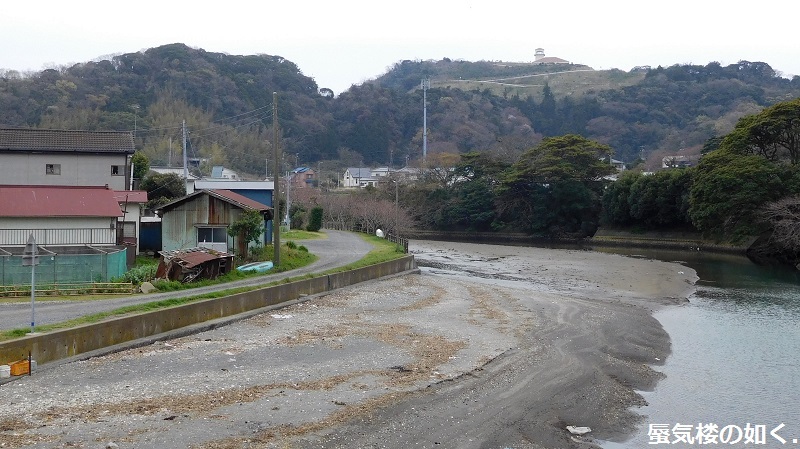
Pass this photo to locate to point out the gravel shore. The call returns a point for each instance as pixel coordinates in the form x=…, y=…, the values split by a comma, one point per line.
x=489, y=347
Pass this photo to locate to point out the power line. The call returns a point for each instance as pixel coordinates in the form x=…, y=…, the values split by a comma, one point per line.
x=263, y=115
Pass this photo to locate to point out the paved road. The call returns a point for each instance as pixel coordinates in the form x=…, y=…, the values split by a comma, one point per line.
x=340, y=248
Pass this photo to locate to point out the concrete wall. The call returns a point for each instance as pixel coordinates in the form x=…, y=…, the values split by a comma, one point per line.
x=58, y=345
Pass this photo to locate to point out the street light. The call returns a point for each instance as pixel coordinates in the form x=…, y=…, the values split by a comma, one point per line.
x=135, y=108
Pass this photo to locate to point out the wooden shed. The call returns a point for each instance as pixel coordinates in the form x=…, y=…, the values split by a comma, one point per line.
x=202, y=218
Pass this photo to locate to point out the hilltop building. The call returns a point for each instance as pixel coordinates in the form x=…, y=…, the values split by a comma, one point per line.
x=540, y=58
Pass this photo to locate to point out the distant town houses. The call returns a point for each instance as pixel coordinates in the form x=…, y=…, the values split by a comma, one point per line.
x=303, y=177
x=361, y=177
x=677, y=162
x=220, y=172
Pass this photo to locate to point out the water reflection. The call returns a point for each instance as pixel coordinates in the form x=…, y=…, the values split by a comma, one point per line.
x=733, y=348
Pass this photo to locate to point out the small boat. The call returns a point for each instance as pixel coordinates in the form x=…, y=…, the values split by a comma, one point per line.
x=258, y=267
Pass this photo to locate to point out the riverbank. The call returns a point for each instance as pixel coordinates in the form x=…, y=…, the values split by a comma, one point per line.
x=680, y=241
x=490, y=346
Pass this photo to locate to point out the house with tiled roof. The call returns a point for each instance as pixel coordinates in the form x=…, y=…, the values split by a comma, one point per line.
x=74, y=227
x=202, y=219
x=58, y=216
x=302, y=177
x=65, y=158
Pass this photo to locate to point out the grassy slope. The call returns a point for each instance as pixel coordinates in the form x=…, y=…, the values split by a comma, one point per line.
x=576, y=81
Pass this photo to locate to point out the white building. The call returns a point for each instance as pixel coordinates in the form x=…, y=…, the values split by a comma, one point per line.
x=190, y=178
x=358, y=177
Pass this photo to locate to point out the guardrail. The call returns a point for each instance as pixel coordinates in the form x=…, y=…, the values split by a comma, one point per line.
x=93, y=288
x=402, y=241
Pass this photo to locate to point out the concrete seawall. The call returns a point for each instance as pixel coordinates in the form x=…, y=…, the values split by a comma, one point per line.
x=61, y=344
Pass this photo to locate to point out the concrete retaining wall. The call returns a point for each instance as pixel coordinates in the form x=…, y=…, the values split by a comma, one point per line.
x=65, y=343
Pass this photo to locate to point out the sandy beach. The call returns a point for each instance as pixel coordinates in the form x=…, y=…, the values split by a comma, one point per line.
x=486, y=347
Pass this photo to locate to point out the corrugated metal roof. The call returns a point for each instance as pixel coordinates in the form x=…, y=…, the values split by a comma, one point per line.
x=228, y=196
x=54, y=140
x=239, y=200
x=58, y=201
x=191, y=260
x=360, y=172
x=177, y=170
x=131, y=196
x=192, y=257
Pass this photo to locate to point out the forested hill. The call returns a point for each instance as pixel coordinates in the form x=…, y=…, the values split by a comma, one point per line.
x=226, y=101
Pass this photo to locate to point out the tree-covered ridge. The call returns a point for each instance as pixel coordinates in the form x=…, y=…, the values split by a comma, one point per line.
x=226, y=101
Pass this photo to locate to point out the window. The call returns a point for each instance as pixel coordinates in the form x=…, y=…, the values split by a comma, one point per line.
x=52, y=169
x=212, y=235
x=117, y=170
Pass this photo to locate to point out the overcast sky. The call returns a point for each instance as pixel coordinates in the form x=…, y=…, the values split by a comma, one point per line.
x=345, y=42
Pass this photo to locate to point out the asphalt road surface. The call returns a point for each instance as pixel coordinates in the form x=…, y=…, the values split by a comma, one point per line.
x=340, y=248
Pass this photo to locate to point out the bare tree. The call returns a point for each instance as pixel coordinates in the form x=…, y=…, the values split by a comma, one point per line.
x=784, y=217
x=365, y=212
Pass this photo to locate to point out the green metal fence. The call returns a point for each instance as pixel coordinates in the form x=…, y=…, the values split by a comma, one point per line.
x=64, y=265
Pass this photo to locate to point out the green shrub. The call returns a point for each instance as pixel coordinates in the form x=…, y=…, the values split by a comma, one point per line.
x=138, y=274
x=315, y=220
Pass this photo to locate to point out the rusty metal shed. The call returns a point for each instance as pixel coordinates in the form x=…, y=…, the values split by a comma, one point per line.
x=189, y=264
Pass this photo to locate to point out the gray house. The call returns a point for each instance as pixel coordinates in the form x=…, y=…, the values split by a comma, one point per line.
x=202, y=218
x=65, y=158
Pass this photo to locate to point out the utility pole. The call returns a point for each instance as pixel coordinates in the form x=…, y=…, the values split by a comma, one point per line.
x=287, y=220
x=289, y=179
x=185, y=166
x=426, y=84
x=276, y=227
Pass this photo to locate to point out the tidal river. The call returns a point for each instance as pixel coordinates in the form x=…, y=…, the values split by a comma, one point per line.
x=733, y=377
